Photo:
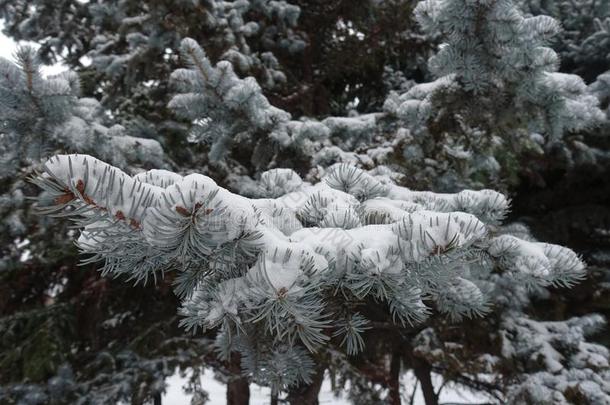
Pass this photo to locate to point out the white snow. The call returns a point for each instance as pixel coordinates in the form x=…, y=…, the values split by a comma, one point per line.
x=8, y=47
x=174, y=395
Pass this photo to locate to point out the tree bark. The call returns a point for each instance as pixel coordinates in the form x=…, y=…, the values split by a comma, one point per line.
x=238, y=388
x=157, y=399
x=238, y=391
x=307, y=394
x=422, y=371
x=394, y=380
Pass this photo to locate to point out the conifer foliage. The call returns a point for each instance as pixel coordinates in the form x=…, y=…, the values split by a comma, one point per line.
x=295, y=246
x=270, y=272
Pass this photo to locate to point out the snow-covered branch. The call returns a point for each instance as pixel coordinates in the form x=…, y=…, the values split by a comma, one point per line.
x=275, y=267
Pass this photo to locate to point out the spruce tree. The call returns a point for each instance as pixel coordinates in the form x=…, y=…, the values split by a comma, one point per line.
x=59, y=323
x=306, y=253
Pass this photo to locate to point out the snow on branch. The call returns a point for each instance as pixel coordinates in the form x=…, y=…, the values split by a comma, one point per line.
x=221, y=106
x=491, y=48
x=272, y=267
x=568, y=366
x=41, y=115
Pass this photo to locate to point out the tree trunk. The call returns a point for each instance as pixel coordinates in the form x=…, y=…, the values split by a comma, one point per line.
x=238, y=391
x=238, y=388
x=394, y=381
x=157, y=399
x=422, y=372
x=307, y=394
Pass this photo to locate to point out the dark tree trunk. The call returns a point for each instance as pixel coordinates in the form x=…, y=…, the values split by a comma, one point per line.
x=422, y=372
x=238, y=391
x=307, y=394
x=238, y=388
x=157, y=399
x=394, y=381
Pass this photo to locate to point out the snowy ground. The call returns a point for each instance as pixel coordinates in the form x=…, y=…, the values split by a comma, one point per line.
x=260, y=396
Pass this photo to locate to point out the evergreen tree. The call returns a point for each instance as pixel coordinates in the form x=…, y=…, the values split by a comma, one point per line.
x=518, y=104
x=320, y=258
x=583, y=42
x=58, y=323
